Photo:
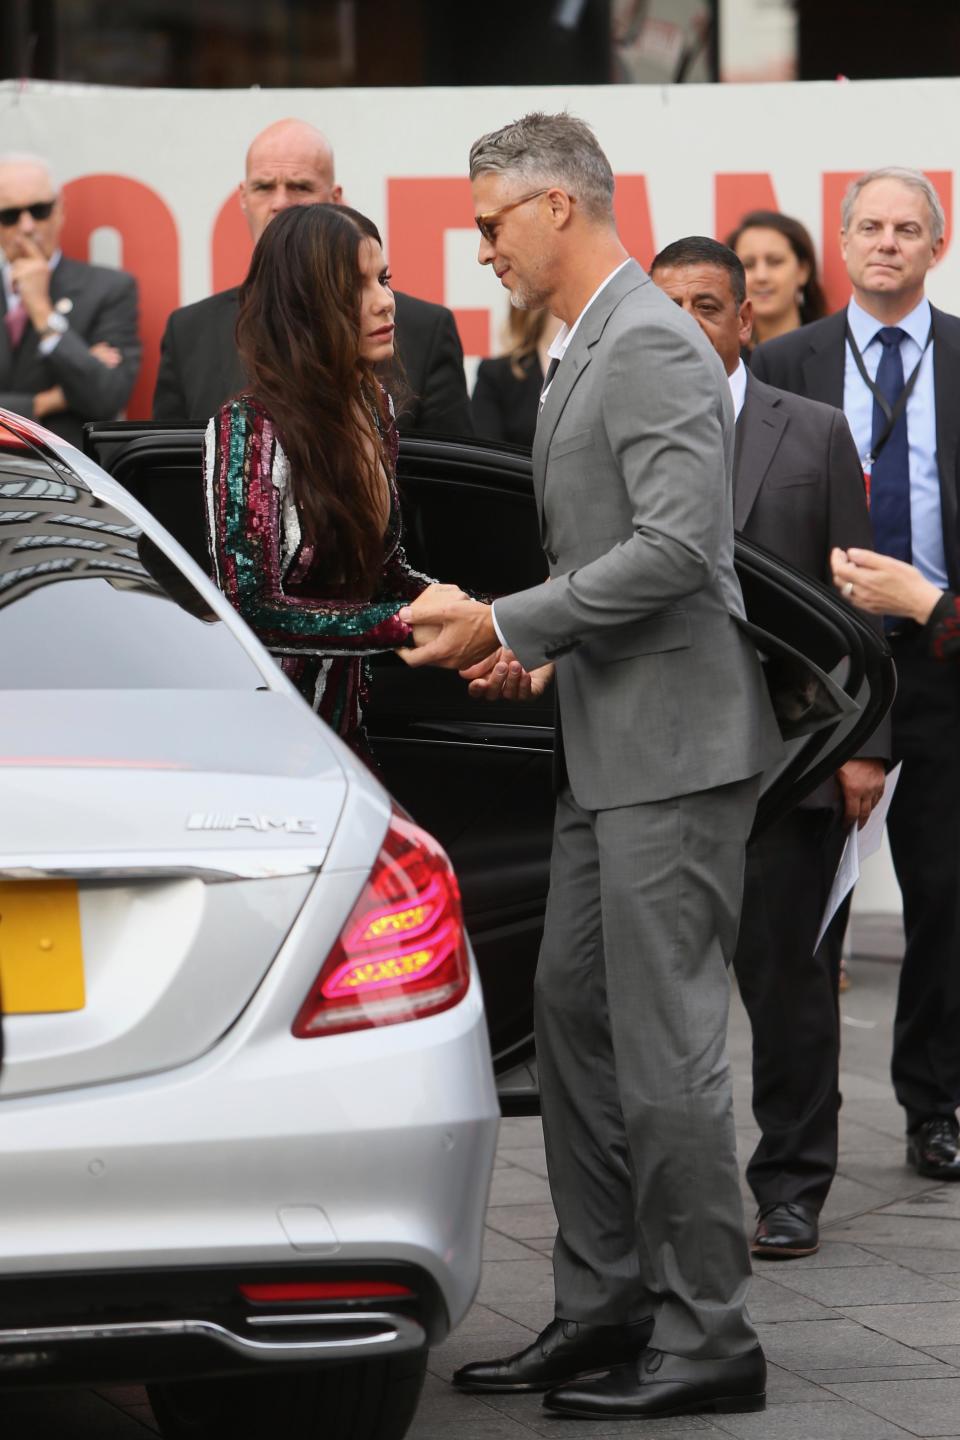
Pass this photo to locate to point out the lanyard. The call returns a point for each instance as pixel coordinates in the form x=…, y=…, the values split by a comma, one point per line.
x=892, y=412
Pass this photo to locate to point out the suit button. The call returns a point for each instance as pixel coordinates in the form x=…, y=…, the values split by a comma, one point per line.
x=552, y=556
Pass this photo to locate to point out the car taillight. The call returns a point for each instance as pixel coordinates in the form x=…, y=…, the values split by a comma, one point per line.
x=402, y=954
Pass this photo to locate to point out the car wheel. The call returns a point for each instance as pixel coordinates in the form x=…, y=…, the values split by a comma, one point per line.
x=367, y=1400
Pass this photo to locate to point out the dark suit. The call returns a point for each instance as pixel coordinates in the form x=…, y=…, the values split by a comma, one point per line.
x=503, y=407
x=200, y=368
x=924, y=818
x=103, y=307
x=798, y=490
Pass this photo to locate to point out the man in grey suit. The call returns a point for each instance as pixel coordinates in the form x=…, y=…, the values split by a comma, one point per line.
x=69, y=348
x=666, y=727
x=797, y=489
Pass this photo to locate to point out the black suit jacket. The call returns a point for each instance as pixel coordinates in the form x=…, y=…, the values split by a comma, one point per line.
x=200, y=368
x=798, y=490
x=505, y=408
x=103, y=306
x=810, y=361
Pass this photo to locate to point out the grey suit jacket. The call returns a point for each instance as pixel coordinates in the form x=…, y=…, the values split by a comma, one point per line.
x=659, y=691
x=798, y=490
x=103, y=307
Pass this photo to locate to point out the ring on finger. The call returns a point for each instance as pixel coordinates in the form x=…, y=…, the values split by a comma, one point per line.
x=847, y=589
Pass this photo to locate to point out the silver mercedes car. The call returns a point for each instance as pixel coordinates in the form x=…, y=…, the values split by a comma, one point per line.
x=247, y=1109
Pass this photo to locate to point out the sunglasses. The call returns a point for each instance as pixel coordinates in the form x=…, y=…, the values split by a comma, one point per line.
x=42, y=210
x=486, y=222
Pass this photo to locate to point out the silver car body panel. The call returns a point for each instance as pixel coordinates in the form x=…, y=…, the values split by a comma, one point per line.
x=185, y=1126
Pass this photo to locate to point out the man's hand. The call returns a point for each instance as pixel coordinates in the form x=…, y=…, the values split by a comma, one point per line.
x=30, y=278
x=49, y=402
x=463, y=630
x=501, y=677
x=108, y=355
x=861, y=783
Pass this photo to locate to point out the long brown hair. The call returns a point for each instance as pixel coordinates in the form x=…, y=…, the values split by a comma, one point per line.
x=525, y=328
x=298, y=333
x=812, y=303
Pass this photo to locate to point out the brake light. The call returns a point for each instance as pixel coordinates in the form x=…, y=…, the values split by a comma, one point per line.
x=402, y=954
x=293, y=1291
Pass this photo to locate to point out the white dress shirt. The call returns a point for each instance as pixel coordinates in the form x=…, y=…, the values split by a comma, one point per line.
x=557, y=349
x=926, y=519
x=738, y=388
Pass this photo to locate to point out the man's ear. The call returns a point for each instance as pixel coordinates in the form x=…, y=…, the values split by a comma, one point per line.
x=746, y=322
x=242, y=196
x=336, y=195
x=561, y=206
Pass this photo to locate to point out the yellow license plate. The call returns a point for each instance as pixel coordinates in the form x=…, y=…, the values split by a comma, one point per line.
x=41, y=953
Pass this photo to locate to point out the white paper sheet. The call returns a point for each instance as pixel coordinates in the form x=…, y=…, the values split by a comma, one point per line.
x=857, y=846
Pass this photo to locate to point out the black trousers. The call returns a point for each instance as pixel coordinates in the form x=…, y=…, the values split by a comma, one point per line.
x=790, y=993
x=924, y=830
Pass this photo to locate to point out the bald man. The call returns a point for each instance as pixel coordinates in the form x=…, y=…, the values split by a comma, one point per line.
x=291, y=163
x=69, y=348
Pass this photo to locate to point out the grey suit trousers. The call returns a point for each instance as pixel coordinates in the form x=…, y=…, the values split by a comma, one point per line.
x=631, y=1002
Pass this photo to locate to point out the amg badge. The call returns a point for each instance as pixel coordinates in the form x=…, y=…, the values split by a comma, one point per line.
x=289, y=824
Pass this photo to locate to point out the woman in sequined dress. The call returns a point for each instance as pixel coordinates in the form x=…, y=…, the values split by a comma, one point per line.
x=303, y=519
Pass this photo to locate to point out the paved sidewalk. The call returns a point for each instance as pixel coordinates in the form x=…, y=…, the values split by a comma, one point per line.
x=863, y=1339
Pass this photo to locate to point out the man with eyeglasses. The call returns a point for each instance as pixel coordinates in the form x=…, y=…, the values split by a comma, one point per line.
x=69, y=348
x=664, y=729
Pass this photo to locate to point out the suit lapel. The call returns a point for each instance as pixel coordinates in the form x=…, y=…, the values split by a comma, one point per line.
x=760, y=429
x=572, y=366
x=823, y=366
x=946, y=387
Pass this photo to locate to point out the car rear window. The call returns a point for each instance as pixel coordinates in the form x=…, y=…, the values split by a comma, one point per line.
x=89, y=602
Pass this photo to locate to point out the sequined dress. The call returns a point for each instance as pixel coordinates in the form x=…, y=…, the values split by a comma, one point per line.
x=269, y=574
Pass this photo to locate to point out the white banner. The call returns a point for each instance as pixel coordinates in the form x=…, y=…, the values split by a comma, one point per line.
x=150, y=175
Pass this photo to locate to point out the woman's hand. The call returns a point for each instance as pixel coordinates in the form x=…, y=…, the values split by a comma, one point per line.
x=882, y=585
x=501, y=677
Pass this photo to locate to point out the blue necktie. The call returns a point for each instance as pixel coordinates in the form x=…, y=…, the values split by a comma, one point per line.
x=890, y=476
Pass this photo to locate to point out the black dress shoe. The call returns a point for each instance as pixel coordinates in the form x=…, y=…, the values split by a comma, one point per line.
x=785, y=1231
x=660, y=1384
x=934, y=1150
x=563, y=1351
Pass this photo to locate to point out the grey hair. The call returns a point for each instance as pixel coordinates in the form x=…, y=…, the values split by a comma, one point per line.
x=14, y=157
x=914, y=178
x=550, y=149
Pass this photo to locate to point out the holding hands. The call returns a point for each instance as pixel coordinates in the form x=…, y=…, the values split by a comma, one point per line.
x=457, y=633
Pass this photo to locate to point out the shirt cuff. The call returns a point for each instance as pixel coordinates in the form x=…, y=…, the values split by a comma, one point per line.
x=48, y=344
x=496, y=625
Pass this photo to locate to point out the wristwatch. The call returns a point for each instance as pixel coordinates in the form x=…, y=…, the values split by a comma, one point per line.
x=57, y=324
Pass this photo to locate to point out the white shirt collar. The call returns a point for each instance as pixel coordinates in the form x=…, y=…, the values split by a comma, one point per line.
x=558, y=347
x=864, y=327
x=9, y=294
x=738, y=388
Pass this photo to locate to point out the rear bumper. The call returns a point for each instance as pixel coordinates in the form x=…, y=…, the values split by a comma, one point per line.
x=269, y=1151
x=156, y=1325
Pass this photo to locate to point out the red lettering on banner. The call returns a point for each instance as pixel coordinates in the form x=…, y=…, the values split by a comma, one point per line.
x=836, y=282
x=231, y=245
x=631, y=206
x=736, y=195
x=150, y=250
x=421, y=211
